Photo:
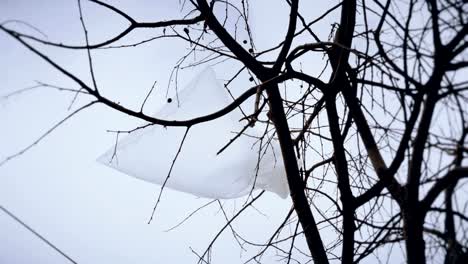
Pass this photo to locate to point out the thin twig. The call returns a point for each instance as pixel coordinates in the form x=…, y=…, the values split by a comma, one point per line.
x=168, y=174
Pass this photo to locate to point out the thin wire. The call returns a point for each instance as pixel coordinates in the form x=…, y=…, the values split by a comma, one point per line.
x=37, y=234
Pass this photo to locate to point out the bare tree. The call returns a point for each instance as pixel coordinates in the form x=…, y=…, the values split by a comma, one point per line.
x=382, y=126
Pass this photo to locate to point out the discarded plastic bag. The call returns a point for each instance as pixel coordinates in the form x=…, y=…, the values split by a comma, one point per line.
x=148, y=153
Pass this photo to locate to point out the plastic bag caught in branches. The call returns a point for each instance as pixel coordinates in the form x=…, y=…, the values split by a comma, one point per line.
x=147, y=153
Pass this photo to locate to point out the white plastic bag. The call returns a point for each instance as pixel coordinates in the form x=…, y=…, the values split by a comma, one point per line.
x=148, y=153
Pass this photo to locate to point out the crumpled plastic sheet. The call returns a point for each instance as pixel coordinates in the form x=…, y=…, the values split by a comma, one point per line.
x=148, y=153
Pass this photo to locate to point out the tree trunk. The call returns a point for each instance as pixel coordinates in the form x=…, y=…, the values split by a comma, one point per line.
x=413, y=228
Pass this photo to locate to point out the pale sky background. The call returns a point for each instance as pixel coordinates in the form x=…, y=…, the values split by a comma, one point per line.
x=91, y=212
